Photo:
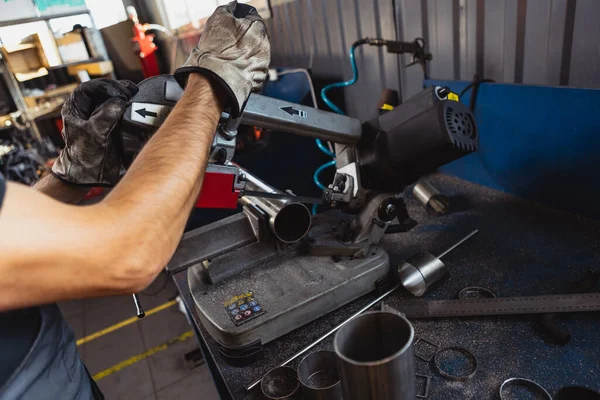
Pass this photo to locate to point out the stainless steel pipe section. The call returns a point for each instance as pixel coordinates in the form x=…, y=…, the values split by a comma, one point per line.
x=376, y=358
x=318, y=376
x=431, y=198
x=420, y=272
x=289, y=220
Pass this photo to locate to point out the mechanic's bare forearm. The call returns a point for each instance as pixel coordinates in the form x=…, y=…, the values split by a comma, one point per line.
x=59, y=190
x=53, y=251
x=156, y=195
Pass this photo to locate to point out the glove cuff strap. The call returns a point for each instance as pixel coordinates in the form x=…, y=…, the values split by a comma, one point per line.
x=182, y=74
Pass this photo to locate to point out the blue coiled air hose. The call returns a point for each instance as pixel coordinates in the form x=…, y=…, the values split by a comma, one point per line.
x=336, y=109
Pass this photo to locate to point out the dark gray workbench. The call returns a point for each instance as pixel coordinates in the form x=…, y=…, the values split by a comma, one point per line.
x=522, y=249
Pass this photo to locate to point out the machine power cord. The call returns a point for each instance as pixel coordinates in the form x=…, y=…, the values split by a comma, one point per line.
x=477, y=81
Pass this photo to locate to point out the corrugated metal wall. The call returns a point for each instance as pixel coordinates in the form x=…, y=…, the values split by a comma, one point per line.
x=539, y=42
x=319, y=33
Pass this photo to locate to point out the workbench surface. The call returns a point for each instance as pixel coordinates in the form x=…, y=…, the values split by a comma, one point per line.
x=522, y=249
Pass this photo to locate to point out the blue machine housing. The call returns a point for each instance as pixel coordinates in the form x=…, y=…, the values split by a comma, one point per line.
x=539, y=143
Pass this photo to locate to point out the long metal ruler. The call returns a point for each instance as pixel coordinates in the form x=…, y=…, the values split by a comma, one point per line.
x=500, y=306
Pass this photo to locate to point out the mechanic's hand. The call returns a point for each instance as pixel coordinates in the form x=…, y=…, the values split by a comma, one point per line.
x=233, y=51
x=91, y=156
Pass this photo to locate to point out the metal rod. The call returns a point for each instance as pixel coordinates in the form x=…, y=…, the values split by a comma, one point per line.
x=331, y=332
x=461, y=241
x=138, y=306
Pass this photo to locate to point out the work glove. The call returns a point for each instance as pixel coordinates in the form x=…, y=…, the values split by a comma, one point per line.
x=92, y=155
x=233, y=51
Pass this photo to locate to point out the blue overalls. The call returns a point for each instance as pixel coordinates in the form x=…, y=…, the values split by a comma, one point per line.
x=51, y=369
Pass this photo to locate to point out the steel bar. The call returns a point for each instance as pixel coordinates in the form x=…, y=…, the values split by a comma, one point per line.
x=461, y=241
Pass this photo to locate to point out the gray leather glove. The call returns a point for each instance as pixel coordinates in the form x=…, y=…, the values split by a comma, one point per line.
x=92, y=155
x=233, y=51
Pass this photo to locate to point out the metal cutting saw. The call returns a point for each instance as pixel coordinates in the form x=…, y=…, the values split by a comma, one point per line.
x=261, y=273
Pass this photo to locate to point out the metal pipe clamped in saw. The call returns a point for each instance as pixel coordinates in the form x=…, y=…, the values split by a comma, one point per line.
x=289, y=220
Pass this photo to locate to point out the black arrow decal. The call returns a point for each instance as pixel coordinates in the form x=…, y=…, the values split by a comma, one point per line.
x=144, y=113
x=292, y=111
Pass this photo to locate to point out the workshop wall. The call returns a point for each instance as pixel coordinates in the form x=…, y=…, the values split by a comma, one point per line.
x=317, y=34
x=539, y=42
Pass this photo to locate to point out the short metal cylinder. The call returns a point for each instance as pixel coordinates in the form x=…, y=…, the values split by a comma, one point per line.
x=318, y=376
x=280, y=383
x=289, y=221
x=420, y=272
x=376, y=358
x=431, y=198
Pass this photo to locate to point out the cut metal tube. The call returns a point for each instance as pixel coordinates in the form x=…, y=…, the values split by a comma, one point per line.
x=331, y=332
x=289, y=220
x=431, y=198
x=318, y=376
x=421, y=271
x=376, y=357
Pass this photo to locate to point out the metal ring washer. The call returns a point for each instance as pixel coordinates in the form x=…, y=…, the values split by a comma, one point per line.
x=487, y=292
x=531, y=385
x=462, y=350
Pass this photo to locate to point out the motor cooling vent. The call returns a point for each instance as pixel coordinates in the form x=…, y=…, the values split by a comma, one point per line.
x=462, y=128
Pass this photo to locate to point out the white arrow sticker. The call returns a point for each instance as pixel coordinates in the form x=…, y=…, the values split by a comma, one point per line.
x=148, y=113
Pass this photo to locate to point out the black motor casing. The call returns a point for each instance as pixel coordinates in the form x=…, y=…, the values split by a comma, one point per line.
x=422, y=134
